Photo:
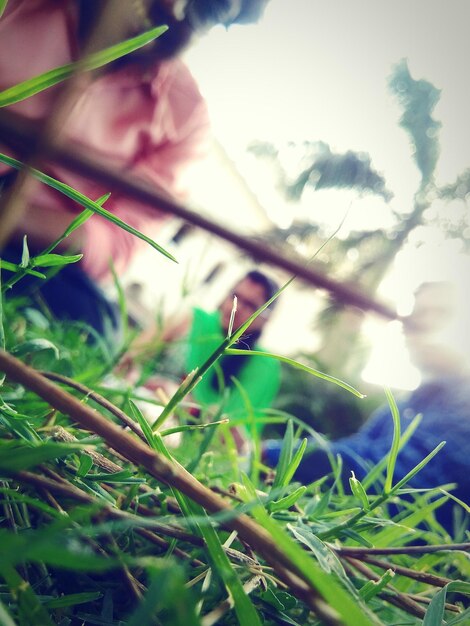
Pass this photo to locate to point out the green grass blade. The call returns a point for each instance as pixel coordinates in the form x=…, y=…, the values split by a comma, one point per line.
x=34, y=85
x=392, y=457
x=301, y=366
x=13, y=267
x=166, y=592
x=5, y=617
x=287, y=501
x=30, y=608
x=3, y=6
x=75, y=223
x=122, y=303
x=246, y=612
x=14, y=458
x=72, y=599
x=350, y=612
x=377, y=470
x=147, y=431
x=435, y=612
x=359, y=492
x=419, y=467
x=55, y=260
x=285, y=456
x=295, y=462
x=373, y=587
x=78, y=221
x=195, y=376
x=85, y=202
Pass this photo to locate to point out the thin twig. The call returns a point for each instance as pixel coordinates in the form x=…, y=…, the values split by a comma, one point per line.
x=99, y=399
x=158, y=541
x=169, y=473
x=100, y=460
x=347, y=551
x=424, y=577
x=424, y=600
x=18, y=134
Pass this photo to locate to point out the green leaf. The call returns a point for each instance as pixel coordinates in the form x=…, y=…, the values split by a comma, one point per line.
x=25, y=254
x=349, y=609
x=53, y=546
x=3, y=5
x=326, y=557
x=35, y=345
x=54, y=260
x=285, y=456
x=13, y=267
x=294, y=464
x=166, y=592
x=5, y=617
x=301, y=366
x=392, y=458
x=287, y=501
x=34, y=85
x=73, y=599
x=373, y=587
x=14, y=457
x=30, y=608
x=435, y=612
x=86, y=463
x=147, y=431
x=359, y=491
x=84, y=201
x=419, y=467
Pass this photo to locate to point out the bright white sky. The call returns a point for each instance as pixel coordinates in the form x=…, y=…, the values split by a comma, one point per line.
x=318, y=70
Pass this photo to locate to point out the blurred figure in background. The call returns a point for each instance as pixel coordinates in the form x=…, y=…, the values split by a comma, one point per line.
x=143, y=115
x=194, y=338
x=438, y=343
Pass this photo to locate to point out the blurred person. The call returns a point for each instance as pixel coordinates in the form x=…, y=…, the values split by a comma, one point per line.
x=143, y=115
x=194, y=338
x=438, y=343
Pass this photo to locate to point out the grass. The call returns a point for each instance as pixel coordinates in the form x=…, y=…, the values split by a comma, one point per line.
x=104, y=525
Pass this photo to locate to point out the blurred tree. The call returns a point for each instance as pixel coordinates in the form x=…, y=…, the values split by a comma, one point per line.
x=364, y=257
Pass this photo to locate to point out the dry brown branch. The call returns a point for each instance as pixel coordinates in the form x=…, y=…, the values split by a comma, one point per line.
x=359, y=552
x=170, y=474
x=424, y=577
x=99, y=399
x=100, y=460
x=56, y=484
x=18, y=134
x=424, y=600
x=162, y=543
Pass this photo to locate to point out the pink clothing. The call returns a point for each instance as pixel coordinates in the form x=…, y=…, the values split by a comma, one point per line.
x=151, y=124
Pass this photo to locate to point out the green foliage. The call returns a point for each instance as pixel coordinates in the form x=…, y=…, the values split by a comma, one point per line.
x=82, y=200
x=113, y=530
x=119, y=546
x=418, y=99
x=30, y=87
